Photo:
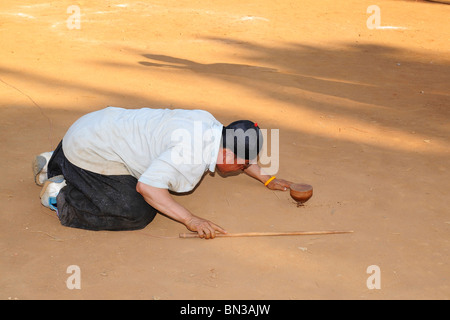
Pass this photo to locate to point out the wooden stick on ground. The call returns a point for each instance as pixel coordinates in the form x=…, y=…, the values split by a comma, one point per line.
x=265, y=234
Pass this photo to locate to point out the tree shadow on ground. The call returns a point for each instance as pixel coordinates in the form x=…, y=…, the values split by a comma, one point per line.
x=357, y=81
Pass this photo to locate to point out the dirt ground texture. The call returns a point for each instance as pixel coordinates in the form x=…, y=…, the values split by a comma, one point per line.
x=363, y=116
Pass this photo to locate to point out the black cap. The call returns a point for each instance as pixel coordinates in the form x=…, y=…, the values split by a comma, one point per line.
x=244, y=138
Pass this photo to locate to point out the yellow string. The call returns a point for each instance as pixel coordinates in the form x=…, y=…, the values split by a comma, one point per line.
x=268, y=181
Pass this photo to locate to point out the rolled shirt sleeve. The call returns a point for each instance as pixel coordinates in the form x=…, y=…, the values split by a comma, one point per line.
x=165, y=173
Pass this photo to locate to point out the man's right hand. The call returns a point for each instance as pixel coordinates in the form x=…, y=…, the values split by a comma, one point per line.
x=205, y=228
x=161, y=200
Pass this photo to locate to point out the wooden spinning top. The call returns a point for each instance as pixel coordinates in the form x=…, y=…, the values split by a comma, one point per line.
x=301, y=193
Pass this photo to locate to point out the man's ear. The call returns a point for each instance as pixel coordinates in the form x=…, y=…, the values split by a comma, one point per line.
x=228, y=156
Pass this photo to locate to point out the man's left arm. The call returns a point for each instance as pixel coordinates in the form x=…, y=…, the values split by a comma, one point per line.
x=258, y=173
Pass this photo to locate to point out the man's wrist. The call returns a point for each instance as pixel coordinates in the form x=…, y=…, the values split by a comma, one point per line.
x=269, y=180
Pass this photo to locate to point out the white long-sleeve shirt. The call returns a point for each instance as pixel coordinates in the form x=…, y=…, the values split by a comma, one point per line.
x=164, y=148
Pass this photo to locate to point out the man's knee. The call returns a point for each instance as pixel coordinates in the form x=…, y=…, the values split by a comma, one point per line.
x=138, y=215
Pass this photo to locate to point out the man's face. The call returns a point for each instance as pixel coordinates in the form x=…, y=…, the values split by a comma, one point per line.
x=230, y=163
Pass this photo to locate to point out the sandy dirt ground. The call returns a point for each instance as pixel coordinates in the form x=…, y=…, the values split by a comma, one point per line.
x=363, y=116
